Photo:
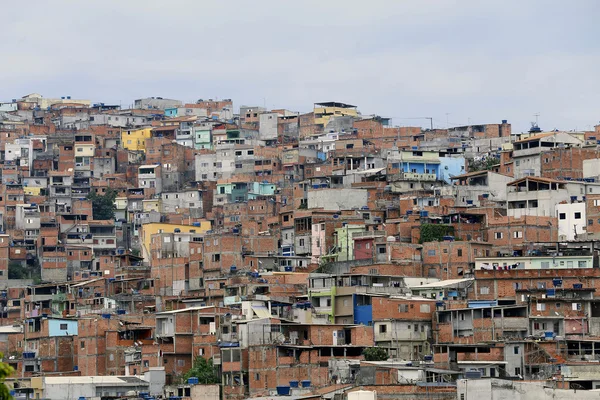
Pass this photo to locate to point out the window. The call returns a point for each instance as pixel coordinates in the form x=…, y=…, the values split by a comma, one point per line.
x=516, y=350
x=590, y=222
x=545, y=264
x=403, y=308
x=498, y=235
x=431, y=252
x=577, y=215
x=459, y=252
x=82, y=344
x=146, y=363
x=425, y=308
x=518, y=234
x=582, y=264
x=216, y=257
x=562, y=216
x=257, y=376
x=382, y=328
x=541, y=307
x=416, y=328
x=64, y=327
x=484, y=290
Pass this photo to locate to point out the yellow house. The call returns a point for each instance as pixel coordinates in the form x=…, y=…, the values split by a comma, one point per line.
x=158, y=227
x=32, y=190
x=151, y=205
x=84, y=150
x=135, y=139
x=324, y=111
x=121, y=203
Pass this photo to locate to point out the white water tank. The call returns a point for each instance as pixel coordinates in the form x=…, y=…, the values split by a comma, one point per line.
x=391, y=239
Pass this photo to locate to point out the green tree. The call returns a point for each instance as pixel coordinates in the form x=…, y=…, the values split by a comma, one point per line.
x=5, y=371
x=435, y=232
x=18, y=270
x=103, y=205
x=375, y=354
x=484, y=164
x=204, y=370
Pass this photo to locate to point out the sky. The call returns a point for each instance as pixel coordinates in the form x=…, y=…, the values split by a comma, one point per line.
x=458, y=62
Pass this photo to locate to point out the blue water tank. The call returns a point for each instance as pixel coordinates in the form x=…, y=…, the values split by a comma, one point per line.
x=288, y=269
x=196, y=224
x=578, y=286
x=283, y=390
x=305, y=383
x=424, y=214
x=557, y=282
x=193, y=380
x=294, y=384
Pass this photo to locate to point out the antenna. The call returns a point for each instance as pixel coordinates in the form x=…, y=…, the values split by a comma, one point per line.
x=536, y=115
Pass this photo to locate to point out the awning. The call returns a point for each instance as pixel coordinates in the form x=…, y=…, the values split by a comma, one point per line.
x=261, y=311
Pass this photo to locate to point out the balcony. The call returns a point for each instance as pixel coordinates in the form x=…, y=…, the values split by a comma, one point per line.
x=59, y=297
x=367, y=234
x=413, y=176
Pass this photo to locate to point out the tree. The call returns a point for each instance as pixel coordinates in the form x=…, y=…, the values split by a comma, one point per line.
x=103, y=205
x=435, y=232
x=484, y=164
x=204, y=370
x=375, y=354
x=5, y=371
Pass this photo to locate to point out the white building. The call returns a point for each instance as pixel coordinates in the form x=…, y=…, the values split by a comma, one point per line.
x=526, y=152
x=572, y=220
x=532, y=195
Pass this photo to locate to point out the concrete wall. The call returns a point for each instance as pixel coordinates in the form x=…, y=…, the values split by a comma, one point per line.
x=568, y=224
x=268, y=126
x=337, y=199
x=496, y=389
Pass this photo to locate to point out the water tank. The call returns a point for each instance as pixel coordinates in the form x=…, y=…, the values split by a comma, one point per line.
x=193, y=380
x=305, y=383
x=473, y=374
x=283, y=390
x=294, y=384
x=391, y=239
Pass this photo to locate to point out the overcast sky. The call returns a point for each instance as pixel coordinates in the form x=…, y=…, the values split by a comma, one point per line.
x=457, y=61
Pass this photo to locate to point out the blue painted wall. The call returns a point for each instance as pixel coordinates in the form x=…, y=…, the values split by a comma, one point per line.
x=362, y=314
x=54, y=327
x=170, y=112
x=451, y=166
